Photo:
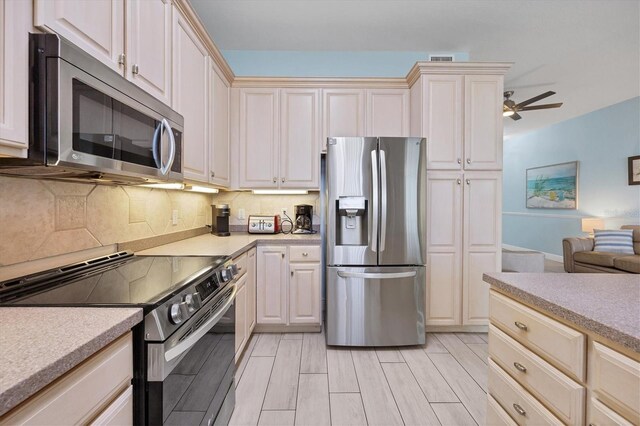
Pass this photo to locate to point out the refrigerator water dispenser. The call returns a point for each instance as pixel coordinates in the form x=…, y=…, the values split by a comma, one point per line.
x=351, y=221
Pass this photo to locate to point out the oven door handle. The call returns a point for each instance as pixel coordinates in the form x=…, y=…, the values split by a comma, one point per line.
x=187, y=343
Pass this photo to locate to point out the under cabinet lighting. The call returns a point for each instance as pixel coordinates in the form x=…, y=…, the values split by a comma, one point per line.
x=280, y=191
x=164, y=185
x=204, y=189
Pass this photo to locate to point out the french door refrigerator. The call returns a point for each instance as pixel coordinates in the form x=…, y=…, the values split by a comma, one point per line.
x=375, y=228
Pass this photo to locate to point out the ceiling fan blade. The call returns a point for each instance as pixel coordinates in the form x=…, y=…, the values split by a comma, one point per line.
x=535, y=99
x=515, y=116
x=546, y=106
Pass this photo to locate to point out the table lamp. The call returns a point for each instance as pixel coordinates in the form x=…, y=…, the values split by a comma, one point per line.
x=591, y=223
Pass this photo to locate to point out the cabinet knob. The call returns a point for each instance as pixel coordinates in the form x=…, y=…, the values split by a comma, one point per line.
x=135, y=69
x=468, y=181
x=282, y=180
x=291, y=273
x=468, y=160
x=121, y=59
x=459, y=181
x=521, y=326
x=283, y=255
x=275, y=180
x=519, y=409
x=520, y=367
x=305, y=254
x=213, y=174
x=459, y=160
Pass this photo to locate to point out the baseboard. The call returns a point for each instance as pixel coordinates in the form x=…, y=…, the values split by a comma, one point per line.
x=457, y=328
x=283, y=328
x=548, y=256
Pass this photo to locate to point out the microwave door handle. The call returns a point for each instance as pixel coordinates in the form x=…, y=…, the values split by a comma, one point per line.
x=172, y=147
x=375, y=201
x=383, y=199
x=155, y=144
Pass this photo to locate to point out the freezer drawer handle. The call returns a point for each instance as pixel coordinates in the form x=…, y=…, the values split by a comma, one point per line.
x=377, y=275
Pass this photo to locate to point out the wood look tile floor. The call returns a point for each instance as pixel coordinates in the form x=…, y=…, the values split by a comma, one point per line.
x=295, y=379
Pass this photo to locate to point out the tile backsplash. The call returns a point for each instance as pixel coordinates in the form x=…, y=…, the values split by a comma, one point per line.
x=265, y=204
x=46, y=218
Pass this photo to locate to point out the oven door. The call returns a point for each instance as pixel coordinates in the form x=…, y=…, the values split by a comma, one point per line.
x=102, y=129
x=190, y=375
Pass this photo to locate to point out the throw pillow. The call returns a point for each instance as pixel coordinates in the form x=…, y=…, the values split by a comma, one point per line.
x=614, y=241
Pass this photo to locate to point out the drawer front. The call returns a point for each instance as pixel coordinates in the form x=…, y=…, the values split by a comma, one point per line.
x=616, y=381
x=304, y=253
x=241, y=261
x=561, y=394
x=119, y=412
x=562, y=345
x=82, y=393
x=601, y=415
x=496, y=416
x=516, y=401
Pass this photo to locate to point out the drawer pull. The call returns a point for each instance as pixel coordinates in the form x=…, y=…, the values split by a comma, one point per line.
x=521, y=326
x=305, y=254
x=519, y=409
x=520, y=367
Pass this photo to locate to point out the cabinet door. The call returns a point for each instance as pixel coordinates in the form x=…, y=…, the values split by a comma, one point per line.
x=343, y=113
x=259, y=138
x=251, y=291
x=482, y=242
x=304, y=293
x=97, y=26
x=272, y=285
x=241, y=316
x=190, y=70
x=442, y=121
x=15, y=20
x=149, y=46
x=219, y=128
x=444, y=248
x=483, y=122
x=299, y=137
x=387, y=112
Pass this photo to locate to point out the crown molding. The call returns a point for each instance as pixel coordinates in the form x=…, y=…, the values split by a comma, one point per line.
x=321, y=82
x=184, y=6
x=477, y=68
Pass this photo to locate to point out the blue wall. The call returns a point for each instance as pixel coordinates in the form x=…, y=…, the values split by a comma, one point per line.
x=284, y=63
x=601, y=141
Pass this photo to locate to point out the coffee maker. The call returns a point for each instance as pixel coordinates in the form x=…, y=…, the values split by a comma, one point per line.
x=220, y=220
x=304, y=219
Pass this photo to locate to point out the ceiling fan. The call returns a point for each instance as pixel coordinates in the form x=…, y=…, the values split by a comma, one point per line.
x=511, y=109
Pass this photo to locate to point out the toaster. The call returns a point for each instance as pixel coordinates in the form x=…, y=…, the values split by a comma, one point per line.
x=264, y=224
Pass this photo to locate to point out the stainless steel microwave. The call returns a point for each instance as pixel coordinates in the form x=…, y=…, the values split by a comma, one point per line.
x=87, y=122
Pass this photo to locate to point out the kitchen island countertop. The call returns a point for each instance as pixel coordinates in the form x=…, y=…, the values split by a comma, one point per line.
x=38, y=345
x=233, y=245
x=605, y=304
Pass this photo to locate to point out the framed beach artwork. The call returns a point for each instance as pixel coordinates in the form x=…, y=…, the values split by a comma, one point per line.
x=553, y=187
x=634, y=170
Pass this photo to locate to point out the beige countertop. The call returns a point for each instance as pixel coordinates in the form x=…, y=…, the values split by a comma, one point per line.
x=38, y=345
x=605, y=304
x=233, y=245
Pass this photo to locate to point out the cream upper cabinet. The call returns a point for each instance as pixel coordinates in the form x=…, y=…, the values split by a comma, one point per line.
x=343, y=113
x=218, y=128
x=96, y=26
x=15, y=20
x=444, y=248
x=149, y=46
x=299, y=138
x=190, y=72
x=483, y=124
x=387, y=112
x=482, y=236
x=259, y=138
x=272, y=285
x=442, y=117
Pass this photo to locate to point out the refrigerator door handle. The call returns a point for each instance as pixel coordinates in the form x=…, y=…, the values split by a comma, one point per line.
x=383, y=200
x=377, y=275
x=375, y=206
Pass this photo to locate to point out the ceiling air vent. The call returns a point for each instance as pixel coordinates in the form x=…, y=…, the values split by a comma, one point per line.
x=441, y=58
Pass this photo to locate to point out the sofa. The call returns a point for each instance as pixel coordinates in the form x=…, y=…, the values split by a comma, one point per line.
x=579, y=256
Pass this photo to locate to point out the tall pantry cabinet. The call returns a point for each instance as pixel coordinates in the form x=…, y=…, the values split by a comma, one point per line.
x=458, y=108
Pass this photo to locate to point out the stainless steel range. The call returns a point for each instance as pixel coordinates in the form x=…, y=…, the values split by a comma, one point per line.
x=183, y=350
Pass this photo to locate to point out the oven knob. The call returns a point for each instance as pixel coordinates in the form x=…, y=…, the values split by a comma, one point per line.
x=193, y=301
x=225, y=274
x=175, y=313
x=234, y=269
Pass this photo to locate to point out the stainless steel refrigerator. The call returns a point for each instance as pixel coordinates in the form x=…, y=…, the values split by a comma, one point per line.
x=375, y=251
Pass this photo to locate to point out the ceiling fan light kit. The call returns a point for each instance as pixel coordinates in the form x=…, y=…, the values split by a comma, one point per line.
x=511, y=109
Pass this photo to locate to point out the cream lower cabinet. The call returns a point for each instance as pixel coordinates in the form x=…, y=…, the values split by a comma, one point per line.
x=241, y=316
x=463, y=242
x=251, y=289
x=288, y=285
x=245, y=300
x=15, y=20
x=98, y=391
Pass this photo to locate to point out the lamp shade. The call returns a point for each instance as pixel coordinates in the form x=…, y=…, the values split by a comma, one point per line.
x=591, y=223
